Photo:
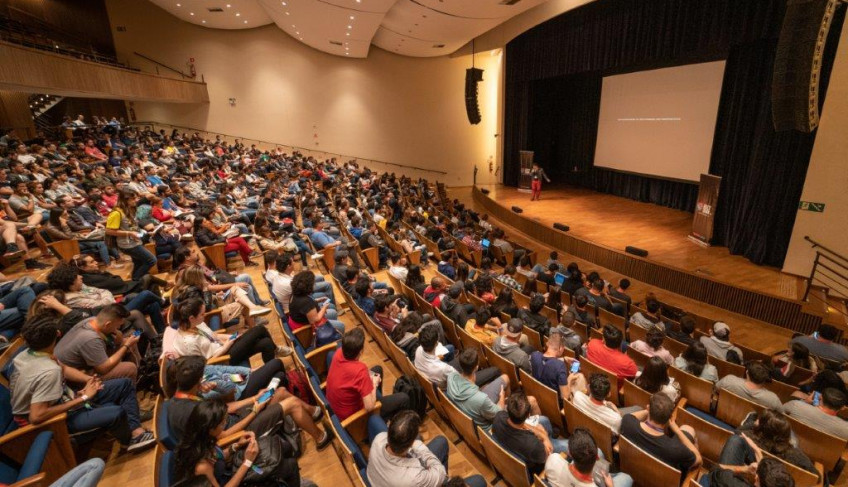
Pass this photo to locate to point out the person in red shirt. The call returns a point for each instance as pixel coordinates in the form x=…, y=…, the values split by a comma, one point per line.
x=608, y=354
x=434, y=292
x=351, y=386
x=92, y=151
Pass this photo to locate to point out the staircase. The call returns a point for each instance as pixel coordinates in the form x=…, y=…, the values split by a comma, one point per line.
x=39, y=104
x=826, y=293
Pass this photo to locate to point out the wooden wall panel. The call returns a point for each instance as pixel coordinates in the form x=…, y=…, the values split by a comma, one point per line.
x=771, y=309
x=34, y=71
x=15, y=113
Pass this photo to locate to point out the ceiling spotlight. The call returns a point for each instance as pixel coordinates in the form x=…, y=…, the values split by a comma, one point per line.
x=297, y=33
x=351, y=17
x=347, y=33
x=228, y=5
x=245, y=21
x=284, y=4
x=347, y=54
x=287, y=13
x=238, y=14
x=179, y=5
x=191, y=13
x=203, y=21
x=350, y=27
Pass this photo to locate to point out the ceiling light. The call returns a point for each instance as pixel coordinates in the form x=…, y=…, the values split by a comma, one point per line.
x=297, y=33
x=347, y=54
x=245, y=21
x=191, y=13
x=287, y=13
x=350, y=27
x=347, y=34
x=351, y=17
x=228, y=5
x=203, y=21
x=284, y=4
x=238, y=14
x=179, y=5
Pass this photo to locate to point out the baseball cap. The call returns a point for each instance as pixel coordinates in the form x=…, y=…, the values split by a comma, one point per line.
x=514, y=328
x=721, y=329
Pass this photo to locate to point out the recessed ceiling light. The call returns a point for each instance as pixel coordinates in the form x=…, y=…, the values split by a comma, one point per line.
x=293, y=27
x=284, y=4
x=347, y=54
x=228, y=5
x=238, y=14
x=351, y=17
x=245, y=21
x=297, y=33
x=191, y=13
x=350, y=27
x=179, y=5
x=347, y=34
x=203, y=21
x=287, y=13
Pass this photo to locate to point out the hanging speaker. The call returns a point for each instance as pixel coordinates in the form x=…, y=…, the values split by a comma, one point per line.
x=517, y=209
x=560, y=226
x=484, y=190
x=472, y=77
x=797, y=65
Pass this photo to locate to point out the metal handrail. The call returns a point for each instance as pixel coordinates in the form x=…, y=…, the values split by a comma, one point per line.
x=148, y=58
x=293, y=147
x=837, y=254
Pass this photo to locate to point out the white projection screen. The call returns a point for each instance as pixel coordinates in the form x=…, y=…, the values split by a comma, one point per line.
x=660, y=122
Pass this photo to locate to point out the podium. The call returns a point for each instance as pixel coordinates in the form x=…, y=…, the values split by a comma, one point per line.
x=526, y=158
x=702, y=223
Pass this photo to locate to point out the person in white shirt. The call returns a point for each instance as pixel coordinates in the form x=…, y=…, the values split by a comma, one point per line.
x=426, y=360
x=595, y=403
x=583, y=452
x=398, y=268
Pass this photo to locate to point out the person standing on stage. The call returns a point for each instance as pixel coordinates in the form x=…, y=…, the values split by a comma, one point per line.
x=537, y=173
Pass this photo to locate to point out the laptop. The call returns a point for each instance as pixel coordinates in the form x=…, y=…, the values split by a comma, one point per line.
x=485, y=243
x=559, y=278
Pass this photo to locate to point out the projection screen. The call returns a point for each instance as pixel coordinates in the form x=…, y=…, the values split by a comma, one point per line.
x=660, y=122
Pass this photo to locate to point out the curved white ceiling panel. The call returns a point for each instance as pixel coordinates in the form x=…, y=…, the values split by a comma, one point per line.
x=419, y=28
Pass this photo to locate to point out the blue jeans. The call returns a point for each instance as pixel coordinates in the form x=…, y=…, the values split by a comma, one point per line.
x=115, y=409
x=379, y=285
x=324, y=288
x=560, y=445
x=86, y=474
x=439, y=447
x=95, y=246
x=15, y=306
x=142, y=260
x=219, y=374
x=251, y=289
x=149, y=304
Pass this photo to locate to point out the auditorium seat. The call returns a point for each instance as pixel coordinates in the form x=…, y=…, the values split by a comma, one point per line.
x=548, y=399
x=508, y=467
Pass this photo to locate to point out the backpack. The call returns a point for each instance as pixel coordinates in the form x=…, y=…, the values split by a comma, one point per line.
x=417, y=397
x=298, y=386
x=148, y=367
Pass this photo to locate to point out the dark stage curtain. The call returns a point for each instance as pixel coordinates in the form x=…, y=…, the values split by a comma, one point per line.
x=553, y=74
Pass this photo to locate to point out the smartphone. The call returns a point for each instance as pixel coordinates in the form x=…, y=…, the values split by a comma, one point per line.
x=236, y=378
x=137, y=333
x=234, y=336
x=575, y=367
x=816, y=398
x=265, y=396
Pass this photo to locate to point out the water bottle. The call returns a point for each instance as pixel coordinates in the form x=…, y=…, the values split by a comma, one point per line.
x=274, y=383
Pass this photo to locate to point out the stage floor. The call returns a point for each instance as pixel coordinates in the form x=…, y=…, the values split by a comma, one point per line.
x=617, y=222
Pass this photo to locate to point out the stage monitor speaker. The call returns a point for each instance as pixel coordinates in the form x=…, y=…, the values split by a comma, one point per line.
x=484, y=191
x=517, y=209
x=472, y=77
x=636, y=251
x=797, y=65
x=560, y=226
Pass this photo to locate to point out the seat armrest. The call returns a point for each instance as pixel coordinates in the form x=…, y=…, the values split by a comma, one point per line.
x=37, y=480
x=229, y=440
x=221, y=359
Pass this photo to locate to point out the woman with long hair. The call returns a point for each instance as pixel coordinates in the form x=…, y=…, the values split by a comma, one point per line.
x=234, y=302
x=554, y=300
x=415, y=280
x=505, y=303
x=652, y=346
x=654, y=378
x=196, y=338
x=485, y=288
x=52, y=303
x=198, y=452
x=693, y=360
x=798, y=355
x=771, y=432
x=121, y=224
x=57, y=229
x=207, y=233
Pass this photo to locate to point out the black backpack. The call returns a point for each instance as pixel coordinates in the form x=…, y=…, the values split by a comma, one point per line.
x=417, y=396
x=148, y=367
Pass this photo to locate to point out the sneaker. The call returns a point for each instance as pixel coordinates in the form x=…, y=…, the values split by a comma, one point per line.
x=250, y=263
x=12, y=248
x=325, y=441
x=284, y=351
x=260, y=321
x=318, y=413
x=115, y=265
x=186, y=236
x=317, y=255
x=259, y=311
x=305, y=482
x=141, y=441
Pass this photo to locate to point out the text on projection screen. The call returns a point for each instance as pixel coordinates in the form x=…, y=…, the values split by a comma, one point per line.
x=660, y=122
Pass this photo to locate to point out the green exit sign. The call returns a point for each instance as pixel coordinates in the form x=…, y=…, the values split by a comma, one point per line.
x=810, y=206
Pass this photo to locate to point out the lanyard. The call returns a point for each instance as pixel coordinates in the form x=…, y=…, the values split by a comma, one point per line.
x=578, y=475
x=38, y=354
x=185, y=395
x=654, y=427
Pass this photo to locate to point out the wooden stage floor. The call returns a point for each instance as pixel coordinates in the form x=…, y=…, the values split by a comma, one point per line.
x=617, y=222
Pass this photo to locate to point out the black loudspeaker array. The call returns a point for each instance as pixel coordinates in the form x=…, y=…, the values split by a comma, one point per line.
x=472, y=77
x=560, y=226
x=517, y=209
x=484, y=190
x=797, y=65
x=636, y=251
